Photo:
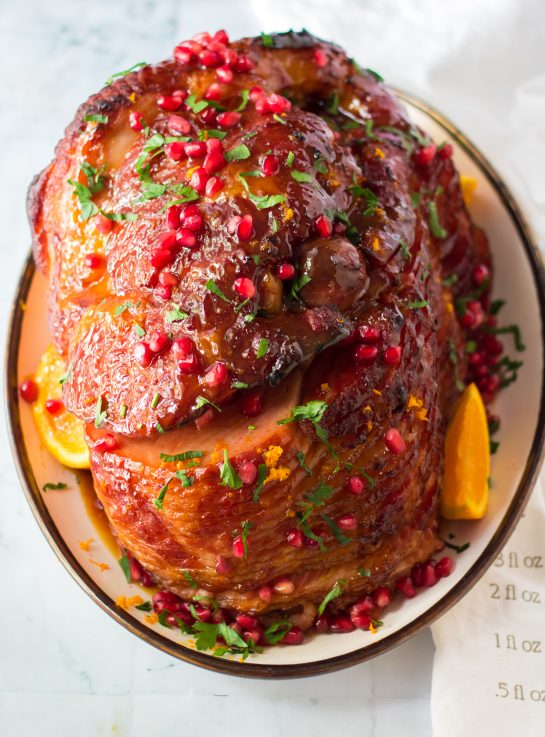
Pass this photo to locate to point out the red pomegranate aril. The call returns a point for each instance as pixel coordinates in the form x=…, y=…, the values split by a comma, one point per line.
x=363, y=606
x=204, y=614
x=324, y=226
x=194, y=222
x=135, y=121
x=444, y=567
x=210, y=59
x=425, y=155
x=247, y=621
x=29, y=390
x=224, y=74
x=182, y=347
x=216, y=375
x=310, y=543
x=446, y=151
x=369, y=334
x=321, y=623
x=54, y=406
x=159, y=342
x=103, y=224
x=480, y=274
x=355, y=485
x=475, y=359
x=228, y=119
x=173, y=217
x=392, y=355
x=294, y=537
x=244, y=64
x=341, y=623
x=366, y=353
x=489, y=384
x=189, y=365
x=195, y=149
x=245, y=287
x=382, y=596
x=163, y=291
x=491, y=345
x=394, y=441
x=175, y=151
x=347, y=522
x=429, y=575
x=285, y=272
x=186, y=238
x=223, y=566
x=417, y=575
x=247, y=472
x=295, y=636
x=221, y=36
x=203, y=39
x=256, y=92
x=161, y=257
x=213, y=186
x=265, y=593
x=182, y=54
x=320, y=58
x=178, y=126
x=214, y=162
x=245, y=228
x=106, y=444
x=261, y=105
x=361, y=621
x=135, y=569
x=406, y=586
x=213, y=144
x=278, y=104
x=252, y=403
x=143, y=354
x=284, y=586
x=270, y=165
x=189, y=211
x=208, y=116
x=238, y=547
x=166, y=601
x=214, y=92
x=167, y=239
x=169, y=102
x=230, y=57
x=94, y=261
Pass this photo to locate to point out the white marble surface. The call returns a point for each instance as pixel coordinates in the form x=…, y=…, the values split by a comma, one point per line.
x=65, y=667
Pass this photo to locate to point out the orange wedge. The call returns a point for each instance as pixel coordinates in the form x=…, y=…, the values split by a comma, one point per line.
x=61, y=432
x=467, y=459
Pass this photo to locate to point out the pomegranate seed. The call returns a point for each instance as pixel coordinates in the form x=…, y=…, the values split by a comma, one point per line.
x=270, y=165
x=405, y=585
x=323, y=226
x=186, y=238
x=182, y=54
x=252, y=403
x=245, y=228
x=103, y=224
x=361, y=621
x=489, y=384
x=169, y=102
x=223, y=566
x=382, y=596
x=261, y=106
x=161, y=257
x=295, y=636
x=163, y=291
x=347, y=522
x=208, y=116
x=245, y=287
x=392, y=355
x=195, y=149
x=247, y=472
x=216, y=375
x=244, y=64
x=285, y=272
x=167, y=239
x=213, y=186
x=224, y=74
x=135, y=569
x=166, y=601
x=175, y=151
x=256, y=92
x=429, y=575
x=320, y=58
x=308, y=542
x=355, y=485
x=247, y=621
x=146, y=579
x=94, y=261
x=221, y=36
x=366, y=353
x=203, y=38
x=182, y=347
x=475, y=359
x=173, y=217
x=214, y=162
x=194, y=222
x=159, y=342
x=189, y=365
x=417, y=576
x=54, y=406
x=238, y=547
x=446, y=151
x=444, y=567
x=341, y=623
x=284, y=586
x=480, y=274
x=214, y=92
x=369, y=334
x=135, y=121
x=265, y=593
x=278, y=104
x=363, y=606
x=321, y=623
x=228, y=119
x=189, y=211
x=106, y=444
x=231, y=57
x=29, y=390
x=178, y=126
x=491, y=345
x=425, y=155
x=394, y=441
x=210, y=59
x=203, y=613
x=143, y=354
x=198, y=180
x=295, y=538
x=213, y=144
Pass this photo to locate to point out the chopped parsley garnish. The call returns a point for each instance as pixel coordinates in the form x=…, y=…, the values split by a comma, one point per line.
x=370, y=198
x=125, y=565
x=100, y=414
x=262, y=348
x=245, y=97
x=514, y=330
x=332, y=104
x=239, y=153
x=415, y=199
x=453, y=358
x=418, y=304
x=120, y=309
x=298, y=284
x=320, y=166
x=194, y=106
x=245, y=529
x=277, y=630
x=95, y=118
x=337, y=534
x=496, y=306
x=138, y=329
x=155, y=401
x=118, y=75
x=201, y=401
x=365, y=572
x=335, y=592
x=301, y=460
x=405, y=250
x=267, y=40
x=290, y=158
x=261, y=476
x=186, y=480
x=158, y=501
x=239, y=384
x=213, y=287
x=313, y=411
x=435, y=226
x=145, y=606
x=374, y=74
x=450, y=281
x=84, y=193
x=54, y=487
x=228, y=475
x=457, y=548
x=190, y=580
x=279, y=119
x=123, y=411
x=176, y=314
x=301, y=176
x=207, y=133
x=207, y=634
x=160, y=429
x=186, y=456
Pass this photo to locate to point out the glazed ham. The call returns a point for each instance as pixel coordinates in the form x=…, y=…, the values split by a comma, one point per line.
x=253, y=257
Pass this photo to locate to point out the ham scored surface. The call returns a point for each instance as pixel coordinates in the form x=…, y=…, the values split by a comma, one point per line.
x=371, y=225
